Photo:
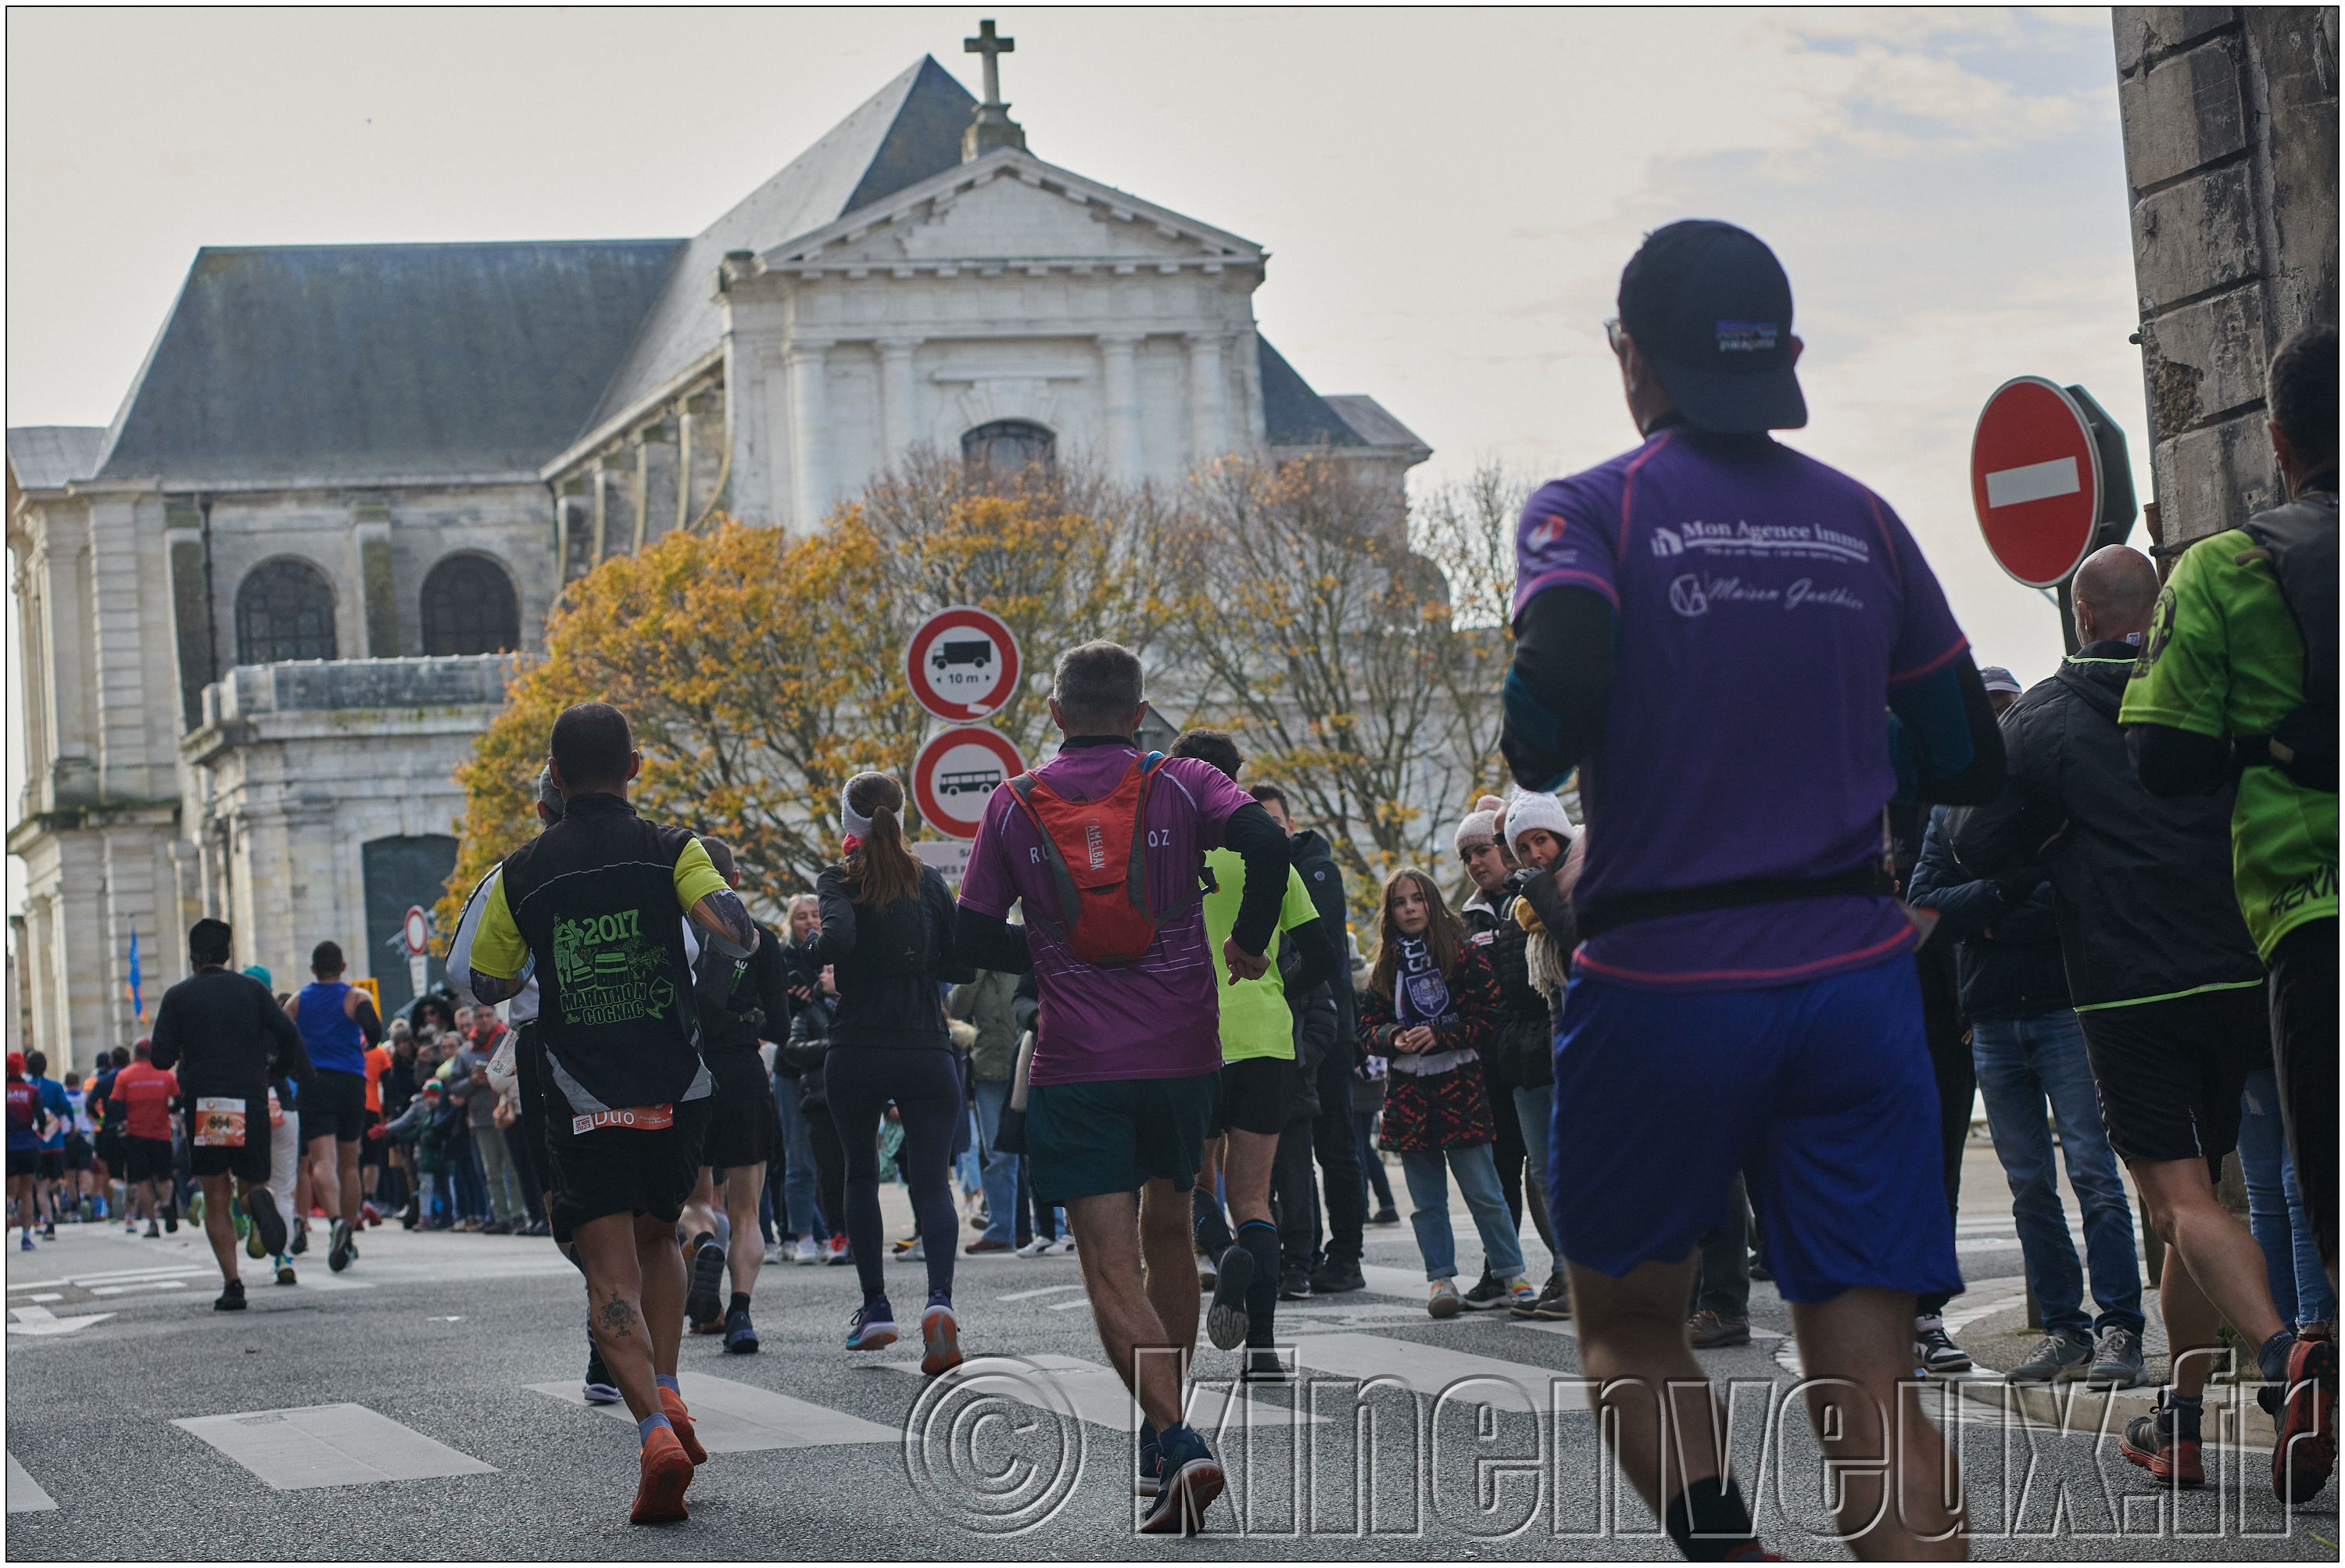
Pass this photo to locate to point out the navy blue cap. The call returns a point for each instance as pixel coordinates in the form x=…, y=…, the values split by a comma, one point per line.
x=1709, y=306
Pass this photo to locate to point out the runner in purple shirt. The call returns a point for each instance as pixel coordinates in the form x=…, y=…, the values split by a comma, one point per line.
x=1746, y=656
x=1127, y=1057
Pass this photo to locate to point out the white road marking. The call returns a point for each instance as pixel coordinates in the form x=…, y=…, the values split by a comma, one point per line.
x=328, y=1445
x=2032, y=482
x=734, y=1417
x=123, y=1276
x=1070, y=1305
x=1385, y=1280
x=52, y=1296
x=142, y=1285
x=1095, y=1394
x=37, y=1285
x=40, y=1321
x=1029, y=1294
x=25, y=1493
x=1435, y=1369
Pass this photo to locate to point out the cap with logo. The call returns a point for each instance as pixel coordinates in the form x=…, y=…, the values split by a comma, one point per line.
x=1995, y=677
x=1709, y=306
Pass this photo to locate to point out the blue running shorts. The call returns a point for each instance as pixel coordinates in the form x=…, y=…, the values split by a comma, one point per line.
x=1822, y=1092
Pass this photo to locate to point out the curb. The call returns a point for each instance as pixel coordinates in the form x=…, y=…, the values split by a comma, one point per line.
x=2073, y=1407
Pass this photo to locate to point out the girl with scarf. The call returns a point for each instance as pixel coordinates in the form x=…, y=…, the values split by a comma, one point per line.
x=1430, y=1001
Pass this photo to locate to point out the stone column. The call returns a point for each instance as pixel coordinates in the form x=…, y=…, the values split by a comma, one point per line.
x=1208, y=424
x=191, y=610
x=809, y=432
x=896, y=394
x=1120, y=384
x=377, y=592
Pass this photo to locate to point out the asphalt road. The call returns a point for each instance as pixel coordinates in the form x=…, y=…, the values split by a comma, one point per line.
x=425, y=1405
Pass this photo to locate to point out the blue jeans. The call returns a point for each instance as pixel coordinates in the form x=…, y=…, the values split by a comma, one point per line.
x=800, y=1215
x=2299, y=1286
x=2023, y=1064
x=999, y=1170
x=1478, y=1179
x=1372, y=1163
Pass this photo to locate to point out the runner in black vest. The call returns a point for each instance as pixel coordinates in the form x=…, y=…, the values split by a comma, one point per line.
x=596, y=900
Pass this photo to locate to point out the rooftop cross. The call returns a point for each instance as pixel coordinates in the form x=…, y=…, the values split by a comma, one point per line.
x=993, y=48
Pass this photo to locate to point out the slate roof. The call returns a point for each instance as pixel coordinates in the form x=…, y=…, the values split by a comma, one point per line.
x=1291, y=413
x=44, y=456
x=358, y=362
x=905, y=132
x=1374, y=424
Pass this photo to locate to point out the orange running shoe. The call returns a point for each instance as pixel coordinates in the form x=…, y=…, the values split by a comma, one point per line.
x=659, y=1497
x=672, y=1406
x=940, y=1337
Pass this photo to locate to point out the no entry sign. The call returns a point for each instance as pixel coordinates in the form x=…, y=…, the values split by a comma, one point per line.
x=963, y=664
x=957, y=773
x=2036, y=479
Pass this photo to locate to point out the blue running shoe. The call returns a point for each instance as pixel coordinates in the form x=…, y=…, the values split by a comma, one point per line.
x=1146, y=1484
x=873, y=1327
x=740, y=1334
x=1189, y=1479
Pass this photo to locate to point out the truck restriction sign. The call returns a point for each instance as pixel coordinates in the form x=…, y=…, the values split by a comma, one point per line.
x=963, y=664
x=957, y=773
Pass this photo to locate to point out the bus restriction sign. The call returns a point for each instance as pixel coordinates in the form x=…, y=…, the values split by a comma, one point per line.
x=957, y=772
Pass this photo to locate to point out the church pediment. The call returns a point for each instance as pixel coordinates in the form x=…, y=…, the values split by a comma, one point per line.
x=1009, y=209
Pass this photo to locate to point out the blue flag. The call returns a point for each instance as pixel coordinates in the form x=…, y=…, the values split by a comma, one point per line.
x=136, y=1005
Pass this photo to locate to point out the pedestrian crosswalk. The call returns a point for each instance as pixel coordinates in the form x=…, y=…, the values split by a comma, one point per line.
x=25, y=1493
x=734, y=1417
x=328, y=1445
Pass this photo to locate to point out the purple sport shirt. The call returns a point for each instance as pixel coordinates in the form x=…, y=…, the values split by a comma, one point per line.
x=1158, y=1017
x=1766, y=606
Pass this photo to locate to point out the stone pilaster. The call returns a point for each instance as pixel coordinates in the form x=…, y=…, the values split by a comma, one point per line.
x=192, y=626
x=378, y=586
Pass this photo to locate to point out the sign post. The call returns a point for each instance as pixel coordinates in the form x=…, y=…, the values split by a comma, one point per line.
x=2050, y=484
x=957, y=773
x=963, y=664
x=415, y=934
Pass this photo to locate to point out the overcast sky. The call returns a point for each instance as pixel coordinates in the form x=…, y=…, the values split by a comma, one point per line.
x=1449, y=196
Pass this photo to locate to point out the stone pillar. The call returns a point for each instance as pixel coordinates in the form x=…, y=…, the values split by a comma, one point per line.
x=117, y=621
x=809, y=432
x=1208, y=424
x=895, y=398
x=1120, y=385
x=378, y=589
x=649, y=441
x=2229, y=119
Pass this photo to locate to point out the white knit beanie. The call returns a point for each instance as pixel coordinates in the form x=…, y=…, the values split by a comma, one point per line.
x=1529, y=811
x=1479, y=826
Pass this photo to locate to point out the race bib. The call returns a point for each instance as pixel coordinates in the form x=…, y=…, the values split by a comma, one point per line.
x=643, y=1118
x=275, y=1111
x=219, y=1124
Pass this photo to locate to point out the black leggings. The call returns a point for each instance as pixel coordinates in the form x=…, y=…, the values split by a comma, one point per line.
x=829, y=1170
x=859, y=1081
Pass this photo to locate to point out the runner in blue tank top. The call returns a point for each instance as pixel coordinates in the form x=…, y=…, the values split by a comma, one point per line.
x=337, y=1023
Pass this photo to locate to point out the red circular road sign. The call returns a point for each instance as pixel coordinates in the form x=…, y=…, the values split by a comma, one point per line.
x=957, y=773
x=416, y=929
x=962, y=663
x=2036, y=481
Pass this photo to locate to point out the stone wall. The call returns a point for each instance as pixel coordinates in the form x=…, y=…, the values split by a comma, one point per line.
x=2229, y=119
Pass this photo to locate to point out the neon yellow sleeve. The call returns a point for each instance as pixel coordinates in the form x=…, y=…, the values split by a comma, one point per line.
x=498, y=949
x=1296, y=908
x=696, y=876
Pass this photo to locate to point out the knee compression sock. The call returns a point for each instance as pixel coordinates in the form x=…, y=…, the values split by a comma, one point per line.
x=1260, y=1239
x=1212, y=1230
x=1708, y=1522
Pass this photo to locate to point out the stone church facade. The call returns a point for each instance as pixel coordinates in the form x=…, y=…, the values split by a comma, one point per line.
x=263, y=615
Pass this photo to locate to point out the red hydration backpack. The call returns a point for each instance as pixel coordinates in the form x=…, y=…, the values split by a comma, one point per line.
x=1099, y=858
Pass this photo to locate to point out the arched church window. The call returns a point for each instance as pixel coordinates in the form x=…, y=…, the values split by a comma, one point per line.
x=284, y=610
x=1008, y=447
x=468, y=607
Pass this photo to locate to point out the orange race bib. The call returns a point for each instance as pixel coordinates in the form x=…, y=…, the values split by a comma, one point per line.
x=219, y=1124
x=643, y=1118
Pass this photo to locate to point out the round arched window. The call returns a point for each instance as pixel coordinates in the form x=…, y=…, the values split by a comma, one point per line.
x=1008, y=447
x=284, y=610
x=468, y=607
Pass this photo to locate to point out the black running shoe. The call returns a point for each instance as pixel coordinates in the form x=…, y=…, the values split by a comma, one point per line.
x=232, y=1298
x=1225, y=1318
x=1334, y=1279
x=339, y=1252
x=301, y=1234
x=1294, y=1284
x=260, y=1204
x=702, y=1304
x=600, y=1390
x=740, y=1334
x=1490, y=1293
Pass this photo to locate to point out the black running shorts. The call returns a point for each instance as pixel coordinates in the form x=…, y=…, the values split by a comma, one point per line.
x=621, y=1170
x=146, y=1159
x=53, y=1163
x=249, y=1160
x=2170, y=1072
x=24, y=1163
x=1257, y=1095
x=334, y=1106
x=78, y=1152
x=742, y=1131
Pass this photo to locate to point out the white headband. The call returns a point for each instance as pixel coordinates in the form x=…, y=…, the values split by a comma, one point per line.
x=855, y=827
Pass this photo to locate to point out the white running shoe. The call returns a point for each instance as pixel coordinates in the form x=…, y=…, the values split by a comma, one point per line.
x=809, y=1250
x=1038, y=1247
x=1064, y=1246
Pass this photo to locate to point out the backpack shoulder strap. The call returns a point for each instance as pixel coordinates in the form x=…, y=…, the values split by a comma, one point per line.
x=1070, y=902
x=1135, y=875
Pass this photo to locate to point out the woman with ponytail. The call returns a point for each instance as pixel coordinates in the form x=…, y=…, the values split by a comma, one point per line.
x=888, y=932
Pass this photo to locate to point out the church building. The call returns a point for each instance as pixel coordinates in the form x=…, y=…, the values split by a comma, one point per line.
x=264, y=613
